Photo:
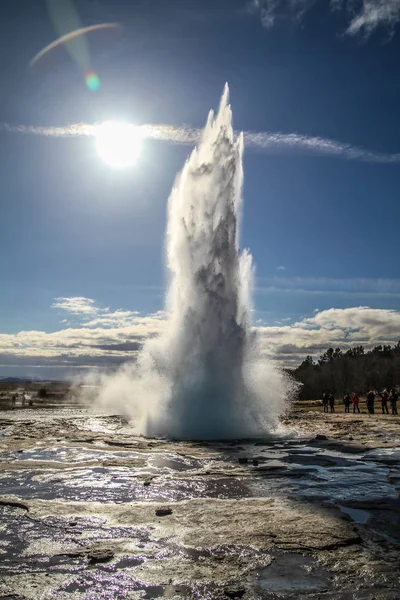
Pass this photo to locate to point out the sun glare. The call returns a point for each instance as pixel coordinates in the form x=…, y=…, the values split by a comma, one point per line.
x=118, y=144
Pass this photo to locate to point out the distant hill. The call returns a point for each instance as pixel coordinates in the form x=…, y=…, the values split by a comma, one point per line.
x=17, y=379
x=27, y=380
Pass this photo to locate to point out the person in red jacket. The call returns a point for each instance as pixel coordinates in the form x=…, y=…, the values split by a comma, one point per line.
x=384, y=399
x=355, y=402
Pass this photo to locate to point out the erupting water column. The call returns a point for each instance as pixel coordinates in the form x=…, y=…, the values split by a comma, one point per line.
x=205, y=375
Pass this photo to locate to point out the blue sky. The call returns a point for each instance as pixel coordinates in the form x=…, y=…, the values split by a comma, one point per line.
x=323, y=227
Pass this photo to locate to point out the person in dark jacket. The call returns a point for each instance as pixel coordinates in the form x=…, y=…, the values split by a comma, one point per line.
x=325, y=401
x=347, y=402
x=384, y=400
x=371, y=402
x=331, y=402
x=393, y=401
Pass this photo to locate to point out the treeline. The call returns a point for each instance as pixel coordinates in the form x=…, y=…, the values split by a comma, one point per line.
x=355, y=370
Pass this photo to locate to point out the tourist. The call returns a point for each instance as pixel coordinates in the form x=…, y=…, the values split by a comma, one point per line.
x=325, y=396
x=371, y=402
x=347, y=402
x=331, y=402
x=393, y=401
x=355, y=401
x=384, y=400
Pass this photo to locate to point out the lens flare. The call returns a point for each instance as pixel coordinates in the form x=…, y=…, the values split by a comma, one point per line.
x=76, y=44
x=92, y=81
x=74, y=37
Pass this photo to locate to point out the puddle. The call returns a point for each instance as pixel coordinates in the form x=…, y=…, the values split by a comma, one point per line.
x=114, y=485
x=166, y=463
x=301, y=470
x=312, y=459
x=3, y=431
x=356, y=514
x=386, y=537
x=313, y=467
x=293, y=573
x=67, y=454
x=388, y=456
x=312, y=481
x=118, y=585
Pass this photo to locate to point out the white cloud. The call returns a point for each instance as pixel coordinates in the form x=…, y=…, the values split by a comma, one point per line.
x=77, y=305
x=118, y=318
x=281, y=268
x=371, y=14
x=343, y=327
x=93, y=315
x=115, y=337
x=272, y=10
x=362, y=323
x=364, y=16
x=83, y=341
x=102, y=338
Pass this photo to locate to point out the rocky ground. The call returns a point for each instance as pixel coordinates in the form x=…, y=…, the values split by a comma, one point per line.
x=88, y=511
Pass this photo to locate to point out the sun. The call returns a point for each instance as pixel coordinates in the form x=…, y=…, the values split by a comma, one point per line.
x=118, y=144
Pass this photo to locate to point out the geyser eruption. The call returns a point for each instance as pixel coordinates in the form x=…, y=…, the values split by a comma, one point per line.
x=205, y=375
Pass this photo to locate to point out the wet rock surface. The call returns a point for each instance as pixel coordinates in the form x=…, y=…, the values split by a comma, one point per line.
x=88, y=510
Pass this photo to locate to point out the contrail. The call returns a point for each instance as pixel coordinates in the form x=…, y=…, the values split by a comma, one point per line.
x=270, y=141
x=75, y=130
